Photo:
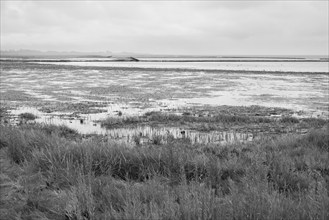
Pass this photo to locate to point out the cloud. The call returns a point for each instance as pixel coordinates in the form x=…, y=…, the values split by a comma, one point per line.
x=201, y=27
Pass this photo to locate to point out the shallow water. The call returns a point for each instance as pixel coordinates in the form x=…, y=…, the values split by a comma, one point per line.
x=240, y=66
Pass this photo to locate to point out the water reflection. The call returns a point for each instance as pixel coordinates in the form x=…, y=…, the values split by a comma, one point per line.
x=147, y=134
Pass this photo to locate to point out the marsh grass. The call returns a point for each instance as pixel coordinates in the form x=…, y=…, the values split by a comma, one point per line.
x=219, y=121
x=50, y=176
x=224, y=118
x=164, y=118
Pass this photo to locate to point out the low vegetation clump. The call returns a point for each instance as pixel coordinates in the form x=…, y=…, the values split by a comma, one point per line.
x=112, y=122
x=3, y=112
x=314, y=122
x=27, y=116
x=46, y=174
x=84, y=107
x=289, y=120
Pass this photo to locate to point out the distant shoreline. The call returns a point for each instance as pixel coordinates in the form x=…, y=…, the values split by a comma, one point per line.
x=165, y=61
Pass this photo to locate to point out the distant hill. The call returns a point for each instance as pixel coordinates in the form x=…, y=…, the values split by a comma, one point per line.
x=75, y=54
x=52, y=54
x=69, y=54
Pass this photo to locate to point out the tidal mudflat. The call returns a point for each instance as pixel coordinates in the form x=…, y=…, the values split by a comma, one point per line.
x=82, y=96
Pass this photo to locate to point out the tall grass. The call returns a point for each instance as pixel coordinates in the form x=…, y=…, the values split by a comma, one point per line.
x=63, y=178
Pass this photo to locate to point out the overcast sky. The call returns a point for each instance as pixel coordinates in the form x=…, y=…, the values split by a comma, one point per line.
x=168, y=27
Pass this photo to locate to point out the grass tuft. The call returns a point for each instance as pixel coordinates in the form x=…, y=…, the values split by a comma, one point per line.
x=291, y=120
x=27, y=116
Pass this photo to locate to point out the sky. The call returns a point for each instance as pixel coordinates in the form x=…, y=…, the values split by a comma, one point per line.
x=295, y=27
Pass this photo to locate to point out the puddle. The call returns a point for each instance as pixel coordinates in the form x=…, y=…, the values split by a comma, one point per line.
x=83, y=123
x=80, y=123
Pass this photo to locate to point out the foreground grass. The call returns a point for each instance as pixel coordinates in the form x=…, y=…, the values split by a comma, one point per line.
x=48, y=175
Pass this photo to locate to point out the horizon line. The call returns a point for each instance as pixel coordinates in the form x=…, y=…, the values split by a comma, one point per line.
x=145, y=53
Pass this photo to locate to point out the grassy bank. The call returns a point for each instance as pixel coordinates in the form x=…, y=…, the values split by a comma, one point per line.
x=46, y=174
